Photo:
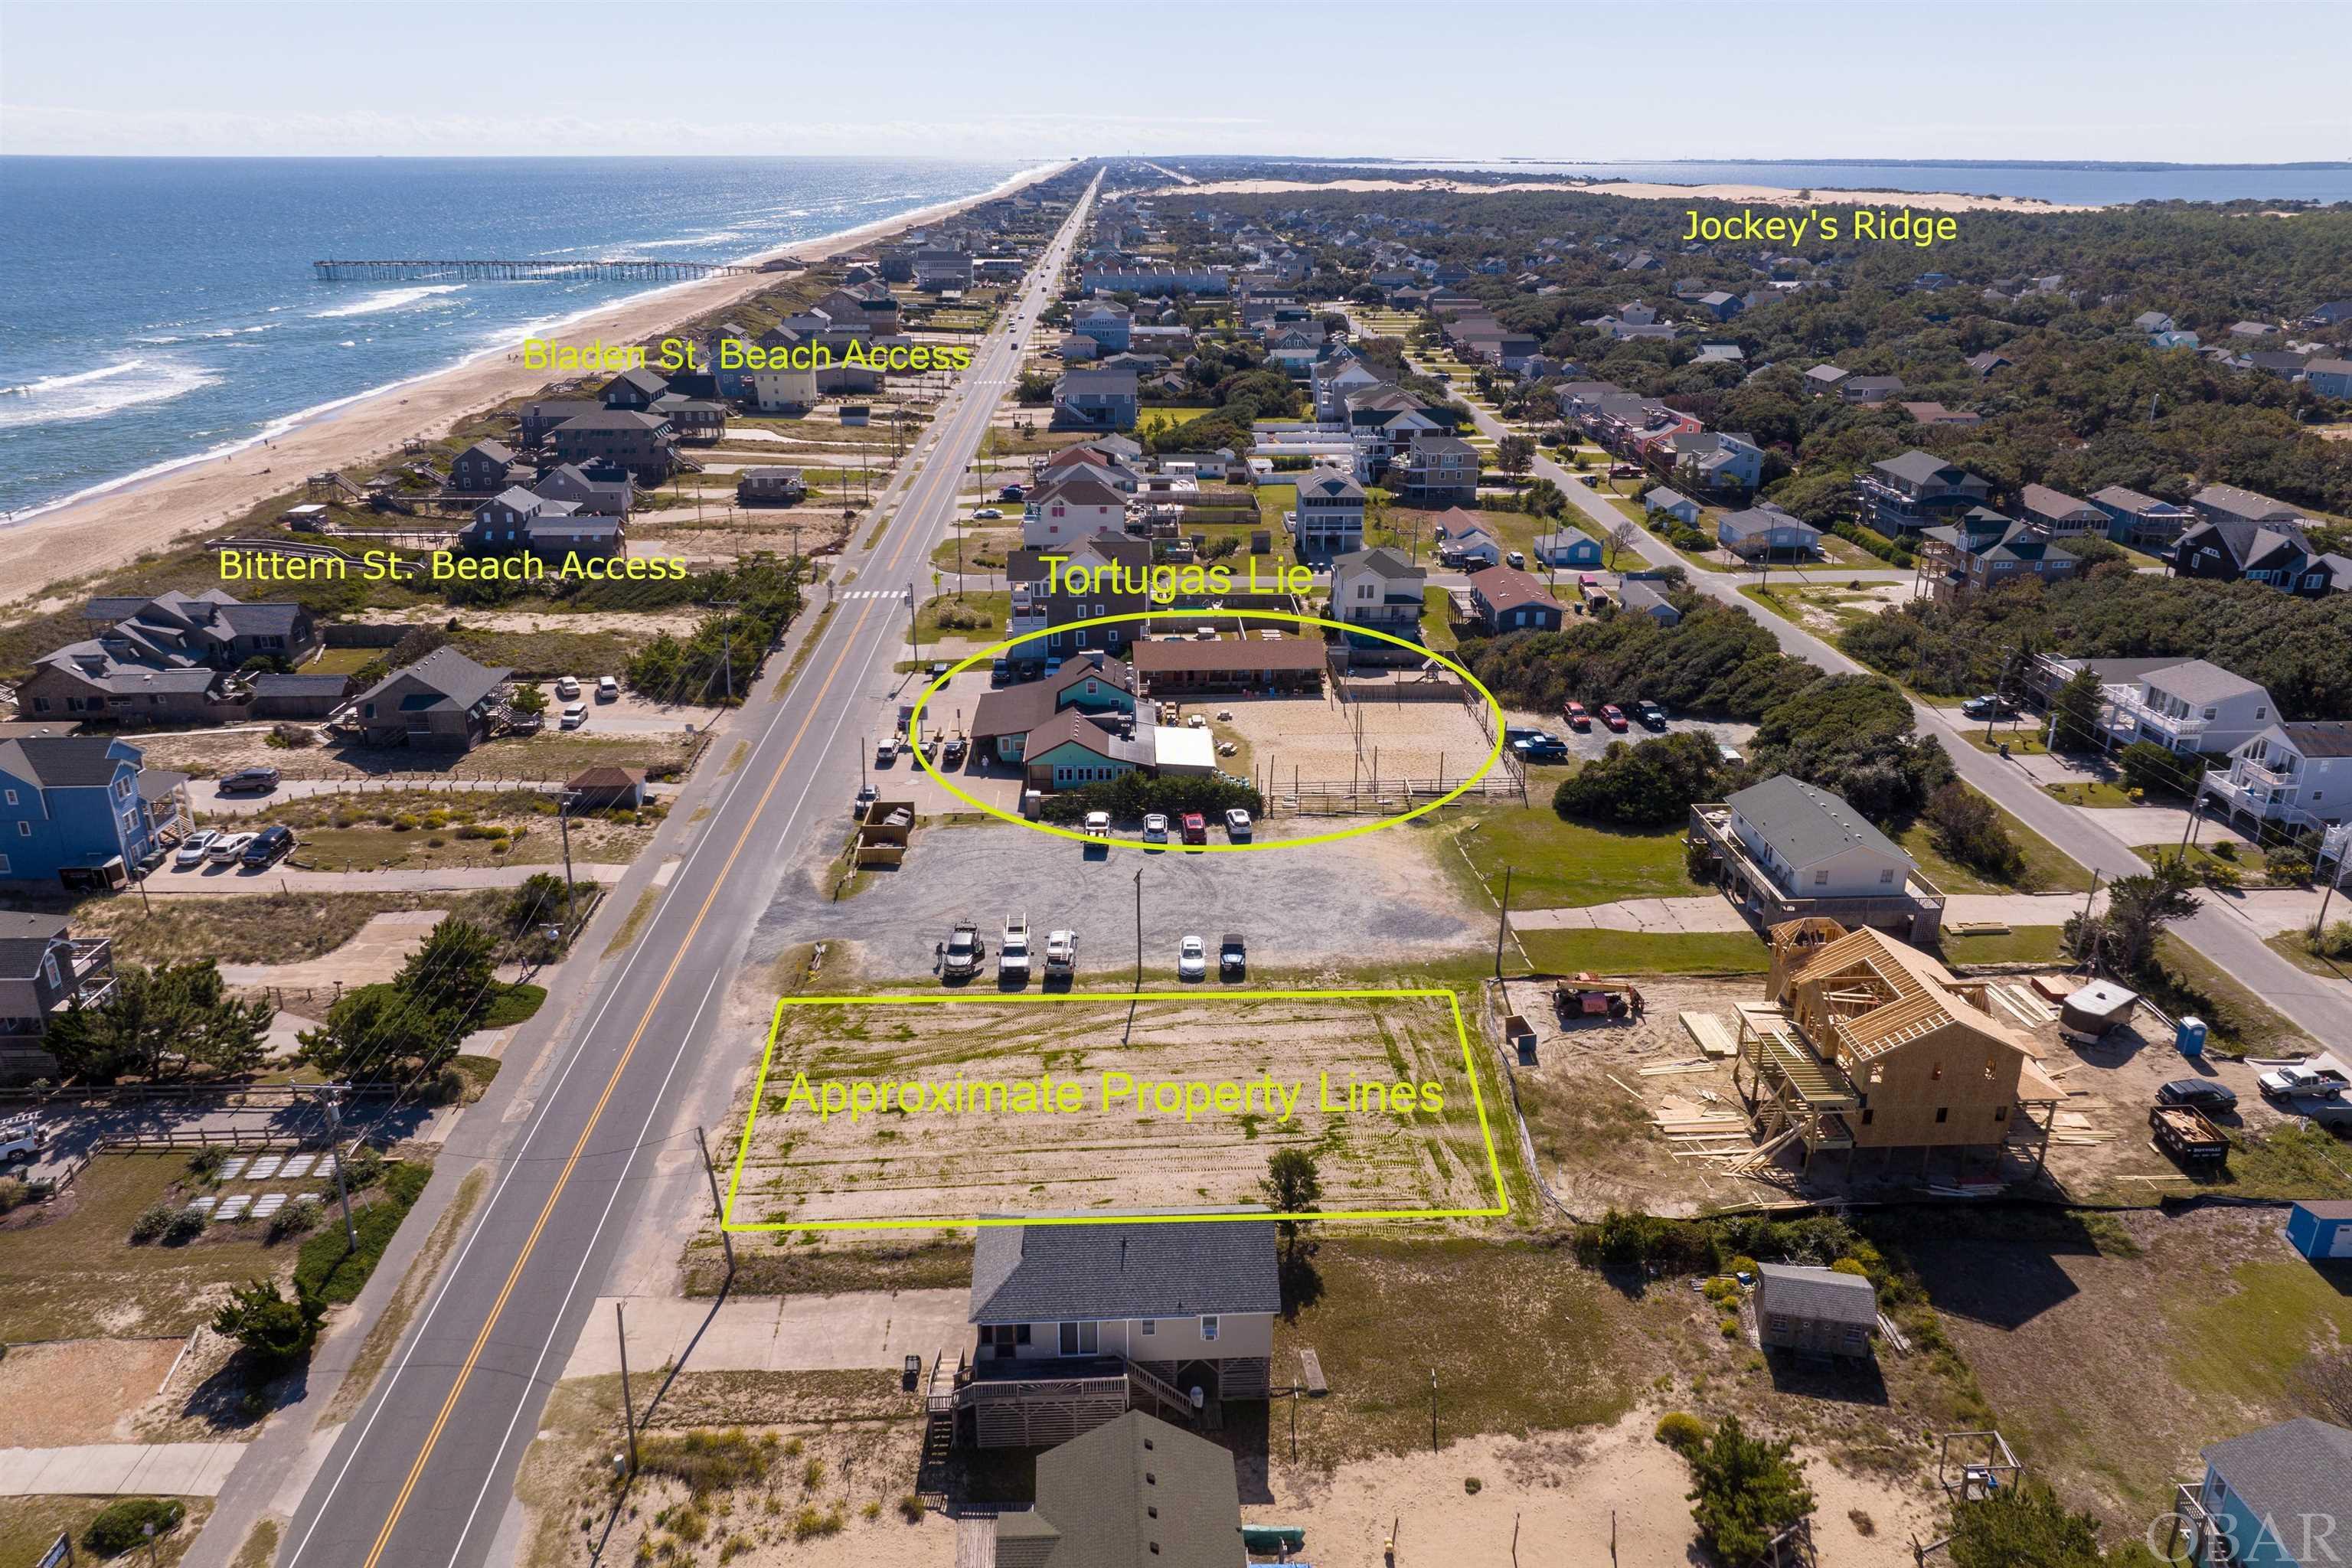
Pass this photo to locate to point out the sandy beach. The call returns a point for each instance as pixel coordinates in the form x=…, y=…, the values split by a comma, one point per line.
x=1757, y=196
x=117, y=528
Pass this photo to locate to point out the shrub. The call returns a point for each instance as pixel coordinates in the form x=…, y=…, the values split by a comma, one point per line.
x=1745, y=1492
x=1472, y=1485
x=185, y=1226
x=911, y=1508
x=707, y=1461
x=292, y=737
x=274, y=1330
x=14, y=1193
x=1680, y=1430
x=2223, y=849
x=153, y=1221
x=205, y=1161
x=1966, y=827
x=293, y=1219
x=122, y=1526
x=1853, y=1266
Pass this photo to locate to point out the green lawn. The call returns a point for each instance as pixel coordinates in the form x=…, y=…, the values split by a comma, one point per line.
x=1646, y=952
x=1437, y=620
x=2239, y=1019
x=1150, y=420
x=2047, y=869
x=29, y=1525
x=2095, y=793
x=343, y=661
x=992, y=609
x=1273, y=501
x=2289, y=945
x=1556, y=864
x=2022, y=740
x=2020, y=944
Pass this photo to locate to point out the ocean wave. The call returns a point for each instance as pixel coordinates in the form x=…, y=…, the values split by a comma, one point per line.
x=388, y=300
x=94, y=394
x=49, y=384
x=713, y=238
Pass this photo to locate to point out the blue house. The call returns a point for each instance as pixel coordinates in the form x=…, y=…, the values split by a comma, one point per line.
x=1568, y=548
x=2272, y=1497
x=73, y=807
x=2321, y=1229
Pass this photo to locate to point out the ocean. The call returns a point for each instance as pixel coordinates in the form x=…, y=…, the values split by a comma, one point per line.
x=2082, y=184
x=164, y=309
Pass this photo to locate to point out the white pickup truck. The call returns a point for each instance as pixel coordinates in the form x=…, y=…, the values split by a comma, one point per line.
x=1013, y=952
x=1061, y=954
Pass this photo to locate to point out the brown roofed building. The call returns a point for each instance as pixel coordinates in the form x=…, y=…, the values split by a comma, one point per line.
x=1229, y=664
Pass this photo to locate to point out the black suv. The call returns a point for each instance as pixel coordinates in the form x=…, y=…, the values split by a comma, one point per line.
x=268, y=845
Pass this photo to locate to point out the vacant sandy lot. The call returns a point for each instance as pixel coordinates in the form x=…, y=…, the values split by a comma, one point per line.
x=68, y=1391
x=945, y=1166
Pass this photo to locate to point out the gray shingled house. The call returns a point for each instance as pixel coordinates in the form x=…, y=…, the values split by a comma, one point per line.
x=1816, y=1310
x=443, y=702
x=1132, y=1493
x=1074, y=1325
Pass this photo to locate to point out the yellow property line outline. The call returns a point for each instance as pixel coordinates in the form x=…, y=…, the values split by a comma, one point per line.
x=1502, y=1204
x=915, y=720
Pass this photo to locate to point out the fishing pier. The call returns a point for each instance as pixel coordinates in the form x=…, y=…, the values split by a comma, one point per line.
x=556, y=271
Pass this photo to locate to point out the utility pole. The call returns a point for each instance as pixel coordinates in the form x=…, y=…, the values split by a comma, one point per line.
x=1138, y=927
x=628, y=1407
x=335, y=1153
x=727, y=642
x=717, y=1209
x=1432, y=1410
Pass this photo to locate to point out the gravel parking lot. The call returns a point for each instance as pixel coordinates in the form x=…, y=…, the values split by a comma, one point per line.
x=1294, y=906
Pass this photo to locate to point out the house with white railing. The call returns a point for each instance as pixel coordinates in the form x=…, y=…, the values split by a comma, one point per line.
x=1076, y=1324
x=2299, y=775
x=2184, y=705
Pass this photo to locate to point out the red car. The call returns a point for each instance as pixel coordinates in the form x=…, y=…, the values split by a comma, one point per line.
x=1578, y=718
x=1196, y=828
x=1612, y=716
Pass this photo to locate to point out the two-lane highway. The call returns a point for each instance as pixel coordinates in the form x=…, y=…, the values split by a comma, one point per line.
x=423, y=1475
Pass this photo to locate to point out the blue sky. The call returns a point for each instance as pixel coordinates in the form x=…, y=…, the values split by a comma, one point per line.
x=1886, y=78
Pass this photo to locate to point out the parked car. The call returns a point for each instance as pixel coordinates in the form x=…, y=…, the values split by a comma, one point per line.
x=1155, y=829
x=1611, y=716
x=195, y=847
x=988, y=513
x=1516, y=559
x=1651, y=715
x=963, y=952
x=1196, y=828
x=866, y=795
x=2201, y=1094
x=230, y=848
x=574, y=715
x=22, y=1137
x=1237, y=824
x=1013, y=951
x=1011, y=492
x=1191, y=959
x=1578, y=718
x=567, y=687
x=1000, y=671
x=607, y=689
x=954, y=751
x=1098, y=825
x=268, y=845
x=1233, y=957
x=2286, y=1083
x=260, y=781
x=1540, y=747
x=1729, y=755
x=1987, y=707
x=1061, y=954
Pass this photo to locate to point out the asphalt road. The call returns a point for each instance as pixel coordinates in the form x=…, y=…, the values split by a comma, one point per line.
x=2317, y=1004
x=424, y=1473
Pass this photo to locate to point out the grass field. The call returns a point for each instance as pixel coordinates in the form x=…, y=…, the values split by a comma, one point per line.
x=1556, y=864
x=269, y=928
x=993, y=608
x=2095, y=793
x=1646, y=952
x=2022, y=944
x=75, y=1271
x=1547, y=1345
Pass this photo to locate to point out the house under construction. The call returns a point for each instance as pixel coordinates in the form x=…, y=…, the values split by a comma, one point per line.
x=1872, y=1044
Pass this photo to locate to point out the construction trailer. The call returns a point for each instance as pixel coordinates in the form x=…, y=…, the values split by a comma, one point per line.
x=1869, y=1042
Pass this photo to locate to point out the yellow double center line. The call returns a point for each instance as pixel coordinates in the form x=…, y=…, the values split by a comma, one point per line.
x=571, y=1161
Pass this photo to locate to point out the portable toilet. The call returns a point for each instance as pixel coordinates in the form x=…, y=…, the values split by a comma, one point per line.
x=2191, y=1036
x=2321, y=1229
